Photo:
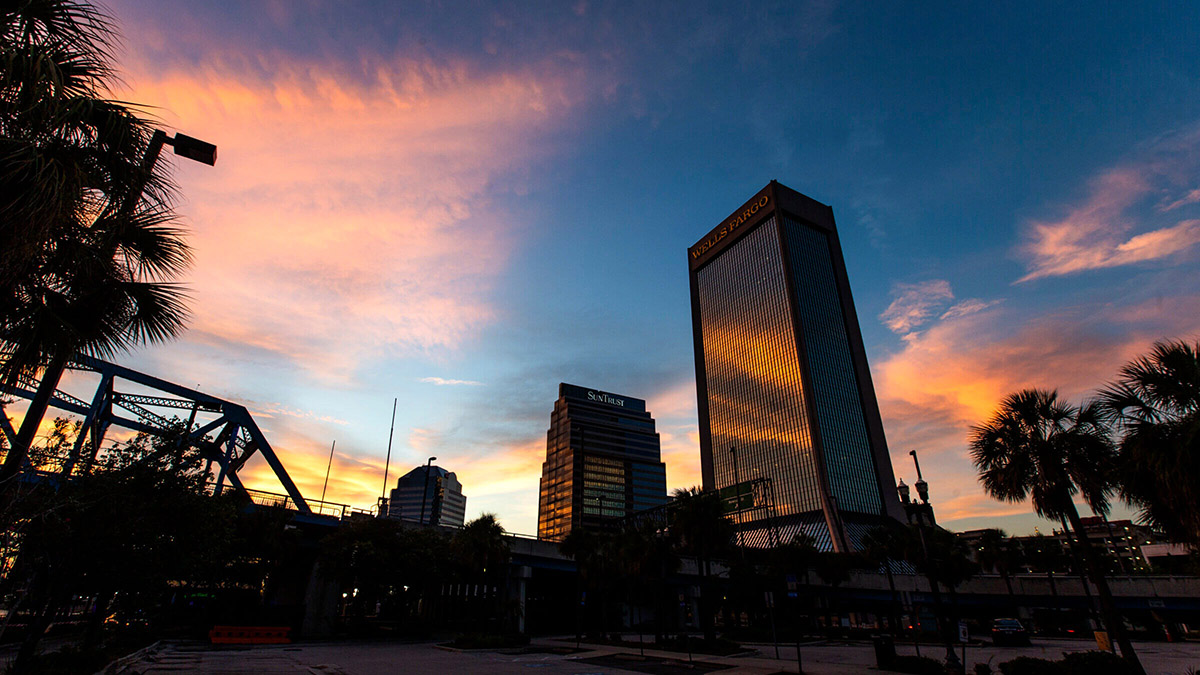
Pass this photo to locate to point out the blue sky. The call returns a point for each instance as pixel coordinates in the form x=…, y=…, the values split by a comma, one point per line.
x=462, y=205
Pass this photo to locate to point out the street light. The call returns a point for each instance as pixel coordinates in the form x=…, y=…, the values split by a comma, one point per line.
x=921, y=485
x=425, y=492
x=184, y=145
x=737, y=481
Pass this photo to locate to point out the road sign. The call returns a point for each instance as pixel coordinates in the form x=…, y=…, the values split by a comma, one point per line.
x=738, y=497
x=963, y=634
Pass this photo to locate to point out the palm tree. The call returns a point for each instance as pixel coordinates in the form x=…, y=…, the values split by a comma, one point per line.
x=595, y=560
x=882, y=546
x=999, y=554
x=646, y=557
x=1049, y=451
x=482, y=551
x=700, y=528
x=91, y=250
x=1155, y=402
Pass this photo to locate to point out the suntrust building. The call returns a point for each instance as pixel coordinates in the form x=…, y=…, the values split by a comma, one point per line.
x=784, y=389
x=602, y=462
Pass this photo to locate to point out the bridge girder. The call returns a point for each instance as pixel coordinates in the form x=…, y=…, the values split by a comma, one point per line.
x=239, y=439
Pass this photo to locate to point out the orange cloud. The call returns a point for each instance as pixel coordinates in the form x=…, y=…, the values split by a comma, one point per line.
x=349, y=215
x=1096, y=233
x=674, y=411
x=354, y=479
x=953, y=374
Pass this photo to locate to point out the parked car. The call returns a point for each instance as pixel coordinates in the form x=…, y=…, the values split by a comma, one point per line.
x=1009, y=632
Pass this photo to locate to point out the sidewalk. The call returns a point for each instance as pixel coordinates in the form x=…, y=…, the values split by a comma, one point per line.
x=380, y=658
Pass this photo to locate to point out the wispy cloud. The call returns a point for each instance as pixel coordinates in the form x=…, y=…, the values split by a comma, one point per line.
x=350, y=216
x=450, y=383
x=967, y=307
x=1192, y=197
x=913, y=305
x=1109, y=228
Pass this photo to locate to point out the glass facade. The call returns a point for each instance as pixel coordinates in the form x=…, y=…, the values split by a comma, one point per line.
x=781, y=381
x=432, y=496
x=839, y=406
x=756, y=400
x=602, y=462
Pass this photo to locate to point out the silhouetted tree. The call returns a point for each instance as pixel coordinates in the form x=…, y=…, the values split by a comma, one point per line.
x=594, y=552
x=140, y=524
x=90, y=249
x=482, y=554
x=997, y=553
x=834, y=568
x=1155, y=403
x=363, y=556
x=702, y=530
x=882, y=547
x=1040, y=448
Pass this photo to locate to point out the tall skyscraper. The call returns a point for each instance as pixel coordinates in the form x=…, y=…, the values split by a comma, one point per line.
x=782, y=379
x=435, y=498
x=602, y=462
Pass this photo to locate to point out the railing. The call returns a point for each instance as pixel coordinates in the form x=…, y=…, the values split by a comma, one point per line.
x=276, y=500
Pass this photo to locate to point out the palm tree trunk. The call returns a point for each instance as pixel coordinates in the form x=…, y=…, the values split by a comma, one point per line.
x=1112, y=619
x=894, y=619
x=38, y=625
x=33, y=417
x=96, y=621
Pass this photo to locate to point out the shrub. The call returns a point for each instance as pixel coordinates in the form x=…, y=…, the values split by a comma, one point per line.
x=918, y=665
x=983, y=669
x=1027, y=665
x=1096, y=663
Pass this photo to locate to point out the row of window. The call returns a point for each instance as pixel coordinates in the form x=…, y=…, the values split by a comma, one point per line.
x=757, y=407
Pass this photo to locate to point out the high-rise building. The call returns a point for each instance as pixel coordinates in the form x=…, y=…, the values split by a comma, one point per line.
x=602, y=462
x=429, y=495
x=784, y=390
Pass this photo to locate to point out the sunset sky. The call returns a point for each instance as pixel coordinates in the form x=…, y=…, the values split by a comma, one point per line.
x=461, y=206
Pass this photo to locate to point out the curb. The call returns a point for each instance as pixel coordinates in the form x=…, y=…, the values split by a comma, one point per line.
x=125, y=661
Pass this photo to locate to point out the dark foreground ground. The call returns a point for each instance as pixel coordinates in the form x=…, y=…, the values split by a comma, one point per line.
x=553, y=656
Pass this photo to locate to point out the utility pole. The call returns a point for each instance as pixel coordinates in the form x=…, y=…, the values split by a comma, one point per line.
x=327, y=468
x=388, y=462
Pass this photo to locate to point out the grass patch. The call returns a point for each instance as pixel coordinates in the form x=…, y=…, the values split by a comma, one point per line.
x=489, y=641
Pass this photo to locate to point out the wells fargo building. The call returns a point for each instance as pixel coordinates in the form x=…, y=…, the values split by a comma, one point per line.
x=782, y=375
x=602, y=462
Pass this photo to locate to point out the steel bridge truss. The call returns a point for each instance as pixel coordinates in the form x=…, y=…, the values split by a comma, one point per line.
x=229, y=440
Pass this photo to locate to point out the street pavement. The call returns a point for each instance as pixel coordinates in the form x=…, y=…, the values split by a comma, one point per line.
x=350, y=658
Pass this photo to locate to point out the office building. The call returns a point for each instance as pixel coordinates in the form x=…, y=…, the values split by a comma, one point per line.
x=783, y=386
x=602, y=462
x=1125, y=548
x=429, y=495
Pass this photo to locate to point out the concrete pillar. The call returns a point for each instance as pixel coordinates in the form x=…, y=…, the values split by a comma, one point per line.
x=518, y=575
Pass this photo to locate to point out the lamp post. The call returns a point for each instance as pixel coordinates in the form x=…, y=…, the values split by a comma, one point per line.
x=737, y=481
x=425, y=492
x=185, y=146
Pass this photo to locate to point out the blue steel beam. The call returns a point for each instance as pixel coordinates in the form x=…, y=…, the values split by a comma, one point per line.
x=98, y=416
